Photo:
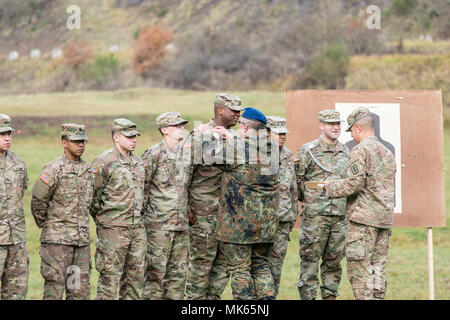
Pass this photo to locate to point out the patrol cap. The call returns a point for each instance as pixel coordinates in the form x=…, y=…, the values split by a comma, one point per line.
x=356, y=115
x=277, y=124
x=5, y=123
x=125, y=127
x=228, y=100
x=329, y=116
x=169, y=119
x=254, y=114
x=74, y=132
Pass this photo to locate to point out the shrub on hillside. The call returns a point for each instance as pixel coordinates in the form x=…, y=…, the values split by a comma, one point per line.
x=150, y=48
x=102, y=73
x=207, y=61
x=329, y=68
x=75, y=53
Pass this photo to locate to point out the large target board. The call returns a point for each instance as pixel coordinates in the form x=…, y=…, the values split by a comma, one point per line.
x=408, y=122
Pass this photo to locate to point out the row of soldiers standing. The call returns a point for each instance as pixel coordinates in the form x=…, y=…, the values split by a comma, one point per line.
x=169, y=227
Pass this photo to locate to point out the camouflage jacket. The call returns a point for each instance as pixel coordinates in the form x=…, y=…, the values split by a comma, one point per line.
x=369, y=185
x=204, y=188
x=165, y=194
x=319, y=161
x=118, y=189
x=288, y=202
x=13, y=183
x=249, y=194
x=62, y=195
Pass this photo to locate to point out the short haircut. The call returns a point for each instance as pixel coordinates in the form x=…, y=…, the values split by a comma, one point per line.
x=367, y=123
x=113, y=132
x=216, y=108
x=254, y=124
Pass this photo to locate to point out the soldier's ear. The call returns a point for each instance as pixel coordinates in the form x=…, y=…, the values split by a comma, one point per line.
x=115, y=136
x=64, y=143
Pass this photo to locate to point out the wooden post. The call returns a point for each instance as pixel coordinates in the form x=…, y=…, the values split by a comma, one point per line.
x=430, y=264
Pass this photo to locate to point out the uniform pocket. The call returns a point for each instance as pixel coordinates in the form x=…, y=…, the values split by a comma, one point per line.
x=103, y=258
x=50, y=268
x=355, y=249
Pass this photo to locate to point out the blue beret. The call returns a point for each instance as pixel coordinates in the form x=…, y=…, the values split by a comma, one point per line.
x=254, y=114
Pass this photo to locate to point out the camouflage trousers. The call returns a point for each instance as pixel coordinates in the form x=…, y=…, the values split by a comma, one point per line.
x=366, y=251
x=321, y=237
x=278, y=252
x=14, y=263
x=167, y=257
x=251, y=277
x=207, y=275
x=120, y=260
x=66, y=269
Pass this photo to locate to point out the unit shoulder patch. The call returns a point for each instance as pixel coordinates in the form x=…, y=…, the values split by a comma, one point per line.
x=356, y=168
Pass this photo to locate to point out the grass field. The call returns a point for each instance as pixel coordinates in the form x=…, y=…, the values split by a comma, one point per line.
x=38, y=118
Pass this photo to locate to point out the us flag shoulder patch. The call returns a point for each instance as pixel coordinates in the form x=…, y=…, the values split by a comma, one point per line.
x=297, y=158
x=145, y=163
x=45, y=178
x=187, y=144
x=94, y=170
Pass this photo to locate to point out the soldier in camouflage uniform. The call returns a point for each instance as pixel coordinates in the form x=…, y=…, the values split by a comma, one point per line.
x=323, y=227
x=117, y=211
x=207, y=275
x=165, y=211
x=288, y=201
x=247, y=223
x=14, y=259
x=370, y=206
x=60, y=206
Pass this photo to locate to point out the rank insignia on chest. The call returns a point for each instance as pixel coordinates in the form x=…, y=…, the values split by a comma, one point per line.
x=94, y=170
x=45, y=178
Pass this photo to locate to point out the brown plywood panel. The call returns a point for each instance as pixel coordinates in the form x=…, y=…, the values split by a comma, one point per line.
x=423, y=193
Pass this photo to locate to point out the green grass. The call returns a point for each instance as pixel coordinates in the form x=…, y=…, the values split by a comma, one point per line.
x=407, y=262
x=133, y=101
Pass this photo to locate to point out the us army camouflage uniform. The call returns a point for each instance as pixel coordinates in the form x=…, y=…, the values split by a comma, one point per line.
x=288, y=202
x=14, y=260
x=60, y=206
x=166, y=221
x=287, y=213
x=247, y=223
x=121, y=237
x=323, y=227
x=207, y=274
x=370, y=188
